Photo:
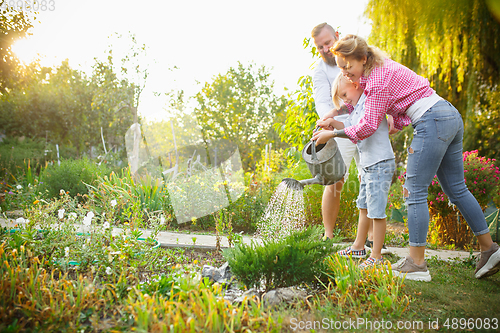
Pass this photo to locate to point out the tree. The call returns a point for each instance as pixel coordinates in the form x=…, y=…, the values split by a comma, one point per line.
x=456, y=45
x=240, y=106
x=13, y=26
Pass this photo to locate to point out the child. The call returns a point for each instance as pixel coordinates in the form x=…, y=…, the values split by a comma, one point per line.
x=377, y=165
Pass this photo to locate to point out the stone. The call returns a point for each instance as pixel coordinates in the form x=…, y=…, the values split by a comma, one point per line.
x=220, y=275
x=287, y=295
x=250, y=293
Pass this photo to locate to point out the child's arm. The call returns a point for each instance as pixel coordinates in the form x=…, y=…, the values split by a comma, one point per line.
x=330, y=124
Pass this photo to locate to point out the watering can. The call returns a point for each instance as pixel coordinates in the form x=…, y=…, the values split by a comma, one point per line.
x=325, y=163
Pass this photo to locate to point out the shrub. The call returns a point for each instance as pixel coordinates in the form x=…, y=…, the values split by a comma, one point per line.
x=482, y=178
x=70, y=176
x=289, y=261
x=14, y=155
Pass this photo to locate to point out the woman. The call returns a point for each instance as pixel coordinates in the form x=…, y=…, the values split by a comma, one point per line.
x=436, y=149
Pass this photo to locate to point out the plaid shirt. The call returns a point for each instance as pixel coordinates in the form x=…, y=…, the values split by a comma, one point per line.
x=390, y=89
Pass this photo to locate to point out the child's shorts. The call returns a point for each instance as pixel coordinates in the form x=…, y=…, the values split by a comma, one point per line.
x=374, y=188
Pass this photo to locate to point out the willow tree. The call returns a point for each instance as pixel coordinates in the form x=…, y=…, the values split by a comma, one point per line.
x=456, y=45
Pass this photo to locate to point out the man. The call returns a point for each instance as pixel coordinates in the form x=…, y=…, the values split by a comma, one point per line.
x=324, y=74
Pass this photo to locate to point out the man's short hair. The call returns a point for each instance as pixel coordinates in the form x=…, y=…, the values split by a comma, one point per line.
x=317, y=29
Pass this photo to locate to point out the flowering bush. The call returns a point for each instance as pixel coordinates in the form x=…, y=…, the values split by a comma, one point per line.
x=481, y=176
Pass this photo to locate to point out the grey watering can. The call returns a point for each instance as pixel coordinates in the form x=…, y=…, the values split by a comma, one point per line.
x=325, y=163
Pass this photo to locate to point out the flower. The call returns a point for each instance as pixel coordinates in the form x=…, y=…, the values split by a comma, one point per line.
x=21, y=220
x=108, y=270
x=90, y=214
x=19, y=187
x=106, y=225
x=72, y=215
x=87, y=220
x=60, y=213
x=113, y=203
x=162, y=219
x=66, y=251
x=61, y=192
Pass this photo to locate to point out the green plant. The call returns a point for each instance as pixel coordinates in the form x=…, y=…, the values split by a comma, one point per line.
x=370, y=292
x=293, y=260
x=16, y=154
x=71, y=176
x=482, y=178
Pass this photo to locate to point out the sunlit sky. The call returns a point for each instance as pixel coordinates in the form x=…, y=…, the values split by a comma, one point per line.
x=201, y=38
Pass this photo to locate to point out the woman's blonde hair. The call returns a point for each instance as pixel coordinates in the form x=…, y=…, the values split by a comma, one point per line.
x=356, y=47
x=336, y=85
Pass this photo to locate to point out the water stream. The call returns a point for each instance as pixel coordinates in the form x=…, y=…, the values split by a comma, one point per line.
x=284, y=213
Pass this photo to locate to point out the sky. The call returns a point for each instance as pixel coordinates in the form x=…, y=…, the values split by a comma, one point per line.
x=200, y=38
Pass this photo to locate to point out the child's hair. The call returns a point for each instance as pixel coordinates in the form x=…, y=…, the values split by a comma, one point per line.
x=336, y=89
x=355, y=46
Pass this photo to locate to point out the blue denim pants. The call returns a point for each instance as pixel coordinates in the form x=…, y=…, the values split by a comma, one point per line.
x=374, y=188
x=436, y=149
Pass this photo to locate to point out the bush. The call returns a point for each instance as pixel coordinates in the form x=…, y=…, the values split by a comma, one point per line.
x=290, y=261
x=482, y=178
x=70, y=176
x=14, y=154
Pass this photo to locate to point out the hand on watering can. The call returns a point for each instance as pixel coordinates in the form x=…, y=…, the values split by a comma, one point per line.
x=326, y=123
x=322, y=136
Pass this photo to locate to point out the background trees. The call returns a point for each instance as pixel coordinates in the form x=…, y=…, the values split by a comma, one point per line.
x=240, y=106
x=456, y=45
x=13, y=25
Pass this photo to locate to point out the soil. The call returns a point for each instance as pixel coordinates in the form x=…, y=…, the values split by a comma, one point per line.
x=213, y=258
x=396, y=228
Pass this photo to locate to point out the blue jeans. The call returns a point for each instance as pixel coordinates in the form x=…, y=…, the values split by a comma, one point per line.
x=436, y=149
x=374, y=188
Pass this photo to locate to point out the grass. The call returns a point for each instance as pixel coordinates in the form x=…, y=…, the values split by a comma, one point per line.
x=454, y=292
x=53, y=296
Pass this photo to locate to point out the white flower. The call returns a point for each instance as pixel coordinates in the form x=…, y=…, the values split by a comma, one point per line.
x=106, y=225
x=20, y=220
x=162, y=219
x=72, y=215
x=60, y=213
x=87, y=220
x=113, y=203
x=90, y=214
x=19, y=187
x=108, y=270
x=61, y=192
x=66, y=251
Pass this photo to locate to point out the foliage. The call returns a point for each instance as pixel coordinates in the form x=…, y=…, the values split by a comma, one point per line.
x=14, y=25
x=71, y=176
x=59, y=279
x=28, y=290
x=15, y=154
x=289, y=261
x=301, y=116
x=347, y=217
x=373, y=292
x=486, y=123
x=482, y=178
x=300, y=110
x=455, y=44
x=123, y=196
x=240, y=106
